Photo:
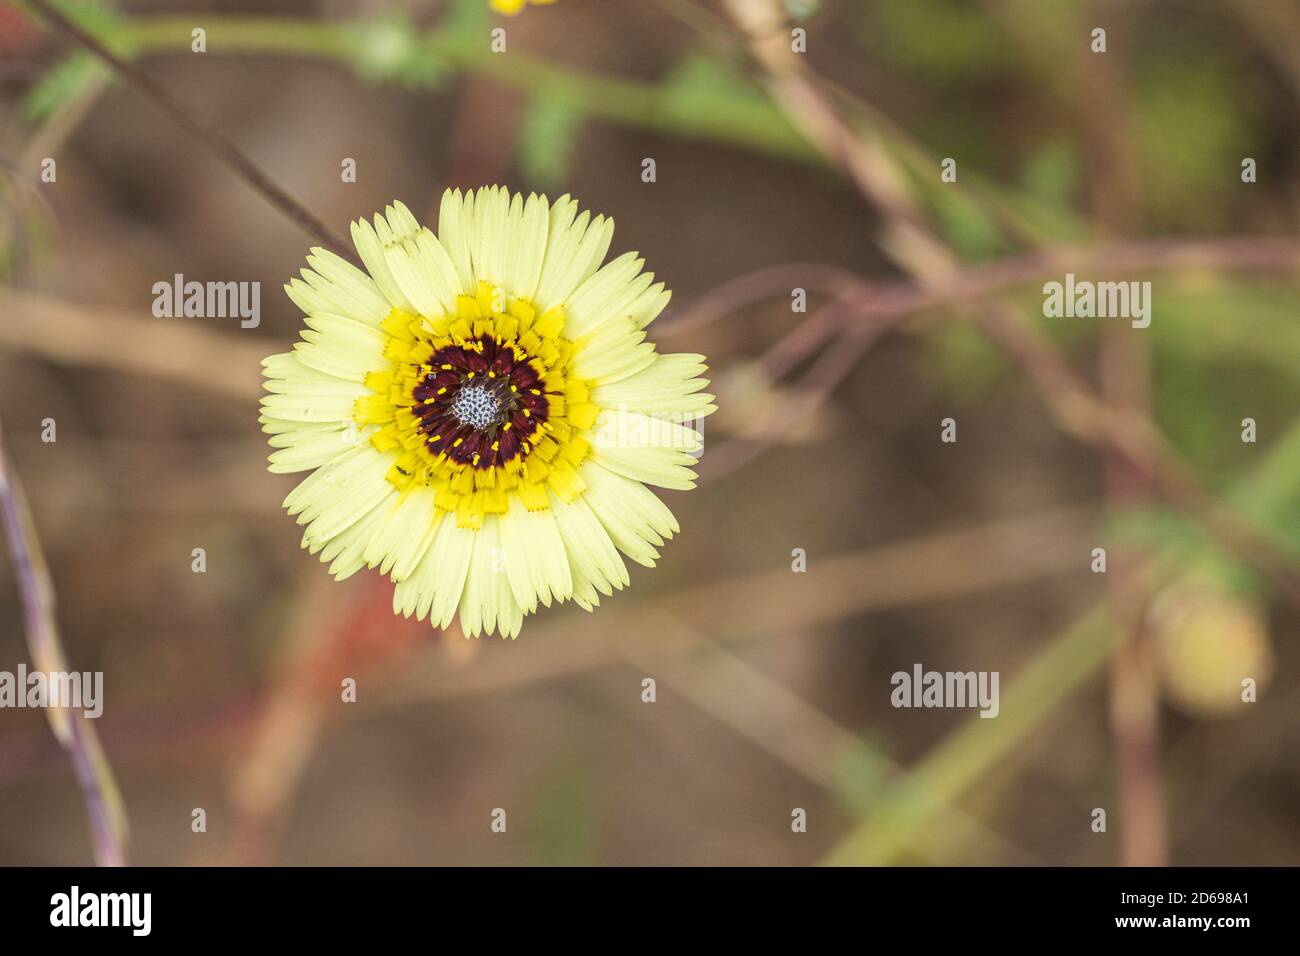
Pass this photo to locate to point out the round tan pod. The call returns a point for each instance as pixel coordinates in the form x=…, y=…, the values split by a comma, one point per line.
x=1213, y=648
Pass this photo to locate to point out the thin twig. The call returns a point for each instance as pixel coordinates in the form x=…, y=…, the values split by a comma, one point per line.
x=816, y=387
x=92, y=334
x=94, y=775
x=914, y=246
x=792, y=729
x=762, y=283
x=955, y=764
x=975, y=283
x=109, y=336
x=222, y=148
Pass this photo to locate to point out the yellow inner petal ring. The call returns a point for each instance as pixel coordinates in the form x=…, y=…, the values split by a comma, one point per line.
x=549, y=446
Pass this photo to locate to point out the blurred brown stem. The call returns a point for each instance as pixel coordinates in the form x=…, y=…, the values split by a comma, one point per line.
x=1125, y=386
x=219, y=145
x=907, y=238
x=73, y=730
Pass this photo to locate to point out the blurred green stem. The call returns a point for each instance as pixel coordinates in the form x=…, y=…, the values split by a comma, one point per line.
x=103, y=48
x=954, y=765
x=745, y=122
x=898, y=817
x=628, y=102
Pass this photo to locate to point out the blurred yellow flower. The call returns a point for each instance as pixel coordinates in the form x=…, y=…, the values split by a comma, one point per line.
x=511, y=7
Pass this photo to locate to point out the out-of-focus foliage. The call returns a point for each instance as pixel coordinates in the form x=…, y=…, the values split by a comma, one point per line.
x=62, y=82
x=1052, y=172
x=1192, y=126
x=1224, y=352
x=389, y=49
x=938, y=39
x=547, y=139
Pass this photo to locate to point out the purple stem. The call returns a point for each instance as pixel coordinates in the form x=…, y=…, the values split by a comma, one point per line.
x=93, y=773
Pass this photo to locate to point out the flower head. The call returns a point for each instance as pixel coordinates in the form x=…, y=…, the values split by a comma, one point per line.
x=481, y=413
x=511, y=7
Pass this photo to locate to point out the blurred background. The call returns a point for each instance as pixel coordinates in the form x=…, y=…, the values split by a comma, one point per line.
x=797, y=145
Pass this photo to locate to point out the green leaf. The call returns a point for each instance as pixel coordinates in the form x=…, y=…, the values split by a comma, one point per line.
x=62, y=82
x=943, y=38
x=466, y=19
x=1053, y=173
x=967, y=361
x=967, y=228
x=546, y=136
x=705, y=98
x=699, y=83
x=802, y=9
